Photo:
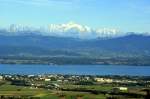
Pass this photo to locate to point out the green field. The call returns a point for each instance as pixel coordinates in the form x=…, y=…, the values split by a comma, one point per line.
x=68, y=91
x=12, y=90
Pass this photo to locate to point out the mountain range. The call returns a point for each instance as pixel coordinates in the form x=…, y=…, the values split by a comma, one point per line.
x=29, y=44
x=70, y=29
x=35, y=43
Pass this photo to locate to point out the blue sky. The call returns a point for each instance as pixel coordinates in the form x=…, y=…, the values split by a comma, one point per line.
x=126, y=15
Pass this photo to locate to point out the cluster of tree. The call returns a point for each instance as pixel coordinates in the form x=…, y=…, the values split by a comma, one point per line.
x=73, y=60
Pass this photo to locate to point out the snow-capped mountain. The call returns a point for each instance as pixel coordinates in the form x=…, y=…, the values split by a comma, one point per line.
x=72, y=38
x=70, y=29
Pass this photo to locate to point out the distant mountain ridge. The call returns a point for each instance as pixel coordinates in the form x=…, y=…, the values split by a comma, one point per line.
x=72, y=39
x=70, y=29
x=34, y=48
x=46, y=45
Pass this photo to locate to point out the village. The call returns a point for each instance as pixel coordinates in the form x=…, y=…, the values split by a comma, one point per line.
x=54, y=80
x=93, y=84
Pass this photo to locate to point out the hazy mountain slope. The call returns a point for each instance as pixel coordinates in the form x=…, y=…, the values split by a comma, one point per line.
x=37, y=44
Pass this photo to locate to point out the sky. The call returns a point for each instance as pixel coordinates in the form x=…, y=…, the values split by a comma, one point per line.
x=125, y=15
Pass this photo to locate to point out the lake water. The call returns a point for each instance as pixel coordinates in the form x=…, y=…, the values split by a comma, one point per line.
x=76, y=69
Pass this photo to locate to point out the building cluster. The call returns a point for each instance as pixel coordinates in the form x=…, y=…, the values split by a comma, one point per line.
x=53, y=81
x=47, y=78
x=111, y=80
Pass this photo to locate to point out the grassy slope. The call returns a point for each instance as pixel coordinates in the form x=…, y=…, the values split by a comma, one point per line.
x=11, y=90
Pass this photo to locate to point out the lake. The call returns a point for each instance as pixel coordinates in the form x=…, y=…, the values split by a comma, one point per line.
x=76, y=69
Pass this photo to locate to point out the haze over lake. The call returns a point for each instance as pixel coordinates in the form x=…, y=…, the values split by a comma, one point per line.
x=76, y=69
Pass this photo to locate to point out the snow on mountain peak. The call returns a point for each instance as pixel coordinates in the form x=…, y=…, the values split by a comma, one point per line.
x=70, y=29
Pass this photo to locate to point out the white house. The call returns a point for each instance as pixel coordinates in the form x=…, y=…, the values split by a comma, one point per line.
x=1, y=77
x=123, y=88
x=104, y=80
x=47, y=79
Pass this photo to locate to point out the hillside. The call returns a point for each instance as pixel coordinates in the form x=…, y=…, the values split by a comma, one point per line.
x=130, y=49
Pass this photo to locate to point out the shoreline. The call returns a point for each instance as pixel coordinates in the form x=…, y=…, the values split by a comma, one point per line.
x=59, y=74
x=51, y=64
